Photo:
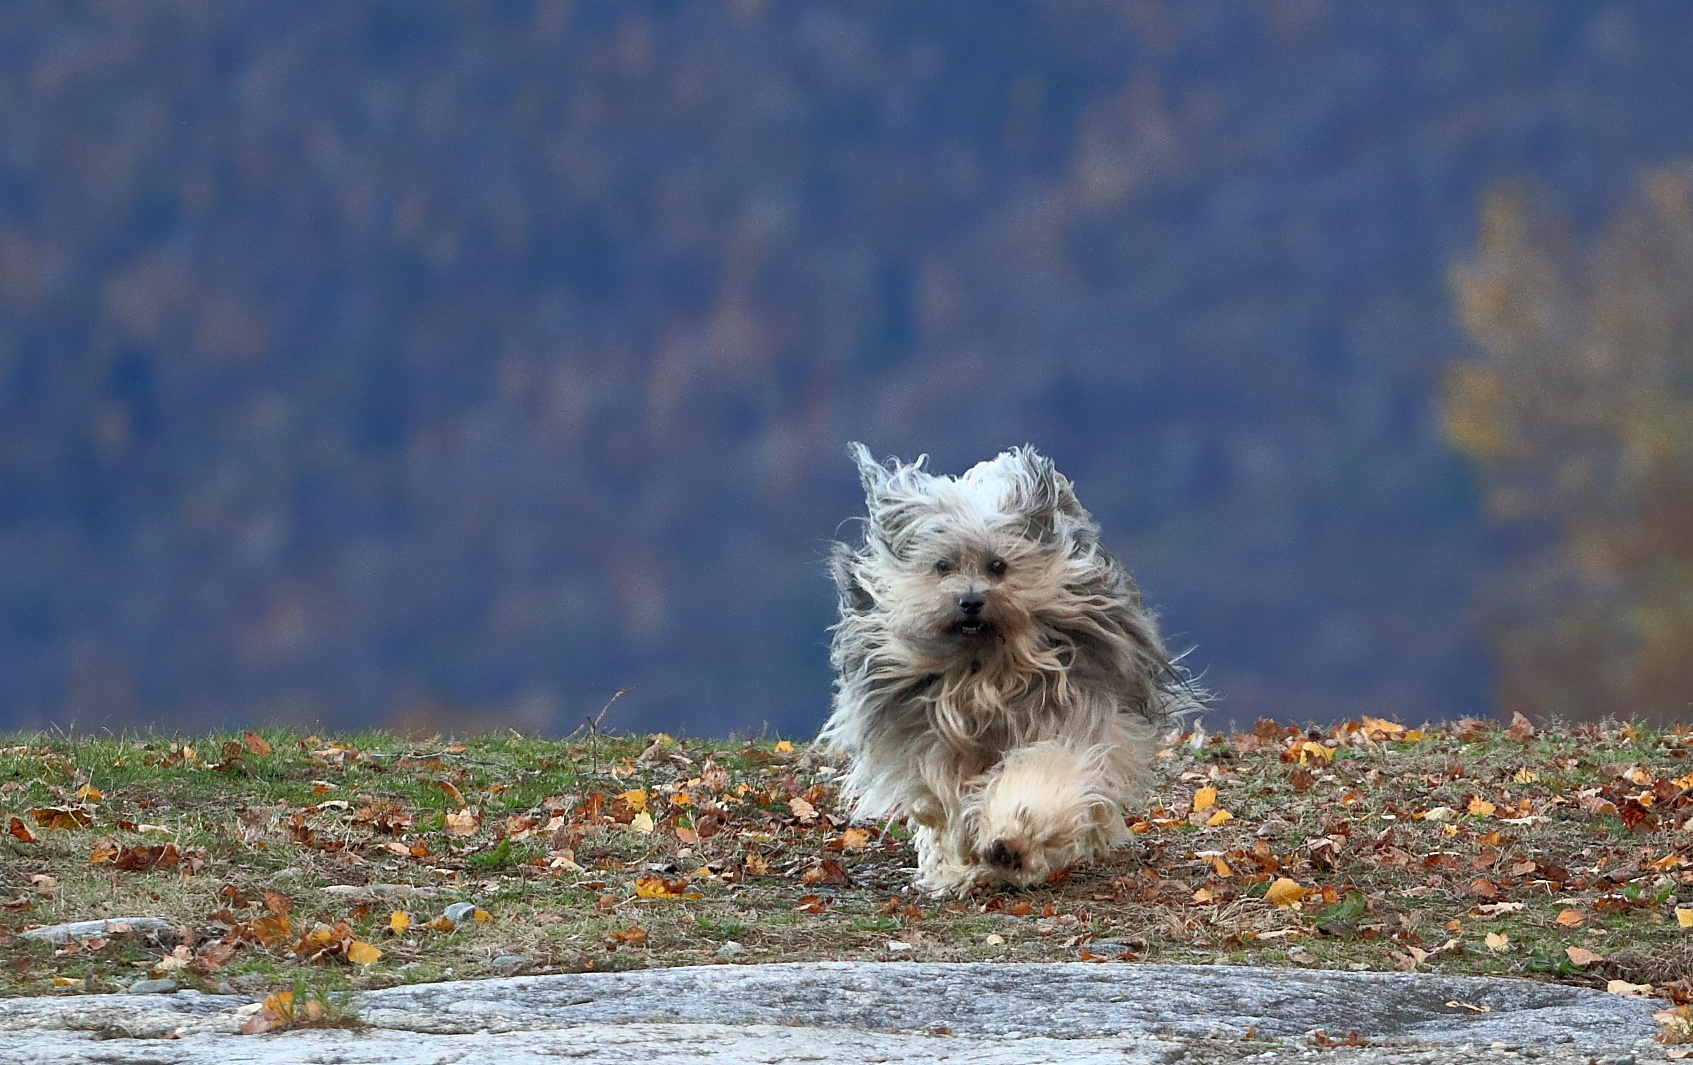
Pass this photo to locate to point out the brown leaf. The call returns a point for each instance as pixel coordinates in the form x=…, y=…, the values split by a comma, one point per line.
x=1520, y=728
x=1582, y=957
x=23, y=832
x=629, y=937
x=276, y=902
x=825, y=871
x=463, y=822
x=452, y=791
x=255, y=743
x=272, y=929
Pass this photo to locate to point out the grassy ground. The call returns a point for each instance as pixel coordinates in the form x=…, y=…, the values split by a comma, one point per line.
x=284, y=860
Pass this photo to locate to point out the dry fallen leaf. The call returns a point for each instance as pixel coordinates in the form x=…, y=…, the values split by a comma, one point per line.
x=1284, y=892
x=1497, y=941
x=1575, y=918
x=1581, y=956
x=398, y=921
x=362, y=953
x=1204, y=799
x=1684, y=916
x=463, y=822
x=1628, y=990
x=855, y=839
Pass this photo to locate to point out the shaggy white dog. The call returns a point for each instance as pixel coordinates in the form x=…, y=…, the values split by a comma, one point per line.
x=999, y=684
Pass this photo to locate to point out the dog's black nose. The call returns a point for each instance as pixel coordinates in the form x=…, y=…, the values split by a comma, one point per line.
x=972, y=603
x=1003, y=857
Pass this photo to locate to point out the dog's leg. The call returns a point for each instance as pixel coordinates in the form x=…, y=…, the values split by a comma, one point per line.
x=944, y=868
x=1045, y=806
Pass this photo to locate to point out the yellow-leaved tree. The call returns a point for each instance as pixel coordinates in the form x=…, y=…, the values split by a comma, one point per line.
x=1578, y=414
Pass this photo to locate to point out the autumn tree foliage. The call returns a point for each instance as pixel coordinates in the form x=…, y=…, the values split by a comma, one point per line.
x=1578, y=414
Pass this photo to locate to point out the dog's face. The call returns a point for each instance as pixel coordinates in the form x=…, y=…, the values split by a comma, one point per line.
x=961, y=562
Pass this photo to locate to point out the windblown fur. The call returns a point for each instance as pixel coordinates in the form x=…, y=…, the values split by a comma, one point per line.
x=999, y=684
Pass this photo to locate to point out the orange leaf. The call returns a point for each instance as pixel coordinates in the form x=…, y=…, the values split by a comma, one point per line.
x=1204, y=799
x=362, y=953
x=22, y=831
x=656, y=887
x=855, y=839
x=452, y=791
x=255, y=743
x=1581, y=956
x=1480, y=807
x=1572, y=918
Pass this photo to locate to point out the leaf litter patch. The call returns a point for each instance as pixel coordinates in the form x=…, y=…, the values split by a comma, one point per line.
x=370, y=860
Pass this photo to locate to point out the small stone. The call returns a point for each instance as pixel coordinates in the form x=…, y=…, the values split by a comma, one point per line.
x=730, y=949
x=459, y=912
x=510, y=961
x=1623, y=1059
x=152, y=987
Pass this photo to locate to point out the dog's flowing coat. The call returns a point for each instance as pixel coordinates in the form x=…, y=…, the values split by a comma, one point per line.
x=999, y=683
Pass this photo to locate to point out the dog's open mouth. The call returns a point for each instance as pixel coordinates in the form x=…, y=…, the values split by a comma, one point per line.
x=973, y=627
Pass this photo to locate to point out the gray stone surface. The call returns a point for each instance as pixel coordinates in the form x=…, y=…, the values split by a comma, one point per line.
x=58, y=934
x=852, y=1012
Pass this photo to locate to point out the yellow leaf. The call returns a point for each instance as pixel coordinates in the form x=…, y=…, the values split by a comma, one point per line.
x=1412, y=736
x=1572, y=918
x=636, y=798
x=1525, y=776
x=855, y=839
x=68, y=981
x=1220, y=867
x=1202, y=895
x=1668, y=861
x=1284, y=892
x=362, y=953
x=1581, y=956
x=481, y=916
x=1315, y=750
x=1204, y=799
x=1628, y=990
x=89, y=793
x=1498, y=941
x=1480, y=807
x=1218, y=818
x=399, y=921
x=643, y=823
x=1684, y=916
x=784, y=747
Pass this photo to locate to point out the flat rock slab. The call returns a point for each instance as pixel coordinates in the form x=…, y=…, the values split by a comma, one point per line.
x=863, y=1011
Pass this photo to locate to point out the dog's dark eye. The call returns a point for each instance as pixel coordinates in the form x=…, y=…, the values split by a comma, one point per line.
x=997, y=567
x=943, y=567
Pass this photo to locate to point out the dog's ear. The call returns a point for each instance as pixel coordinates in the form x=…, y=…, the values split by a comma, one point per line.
x=854, y=597
x=893, y=494
x=874, y=475
x=1041, y=494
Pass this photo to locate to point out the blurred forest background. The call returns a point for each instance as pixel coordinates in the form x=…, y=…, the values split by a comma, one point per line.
x=455, y=363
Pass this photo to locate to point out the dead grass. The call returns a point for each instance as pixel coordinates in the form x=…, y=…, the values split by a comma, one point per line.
x=1462, y=849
